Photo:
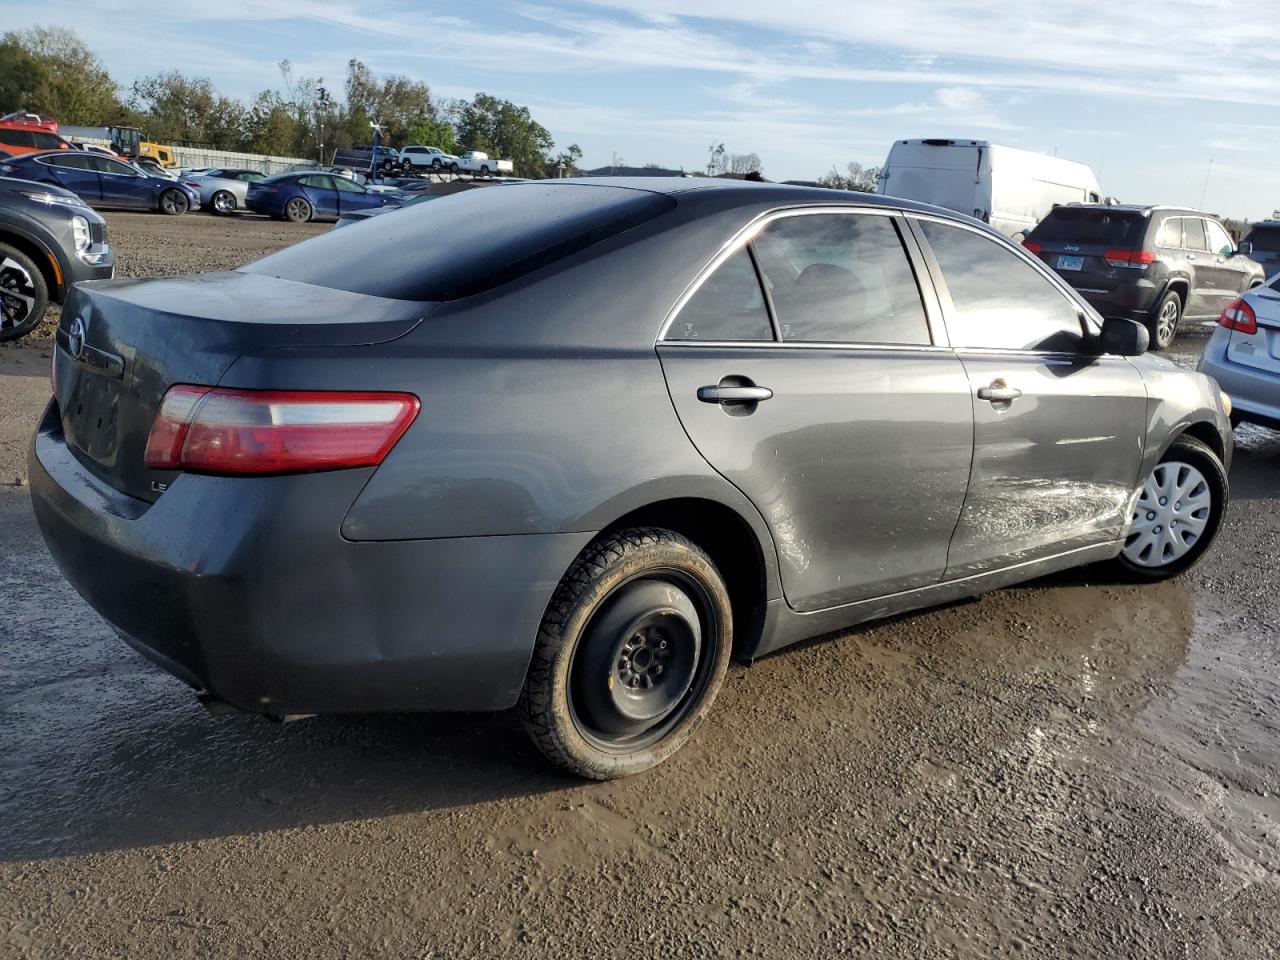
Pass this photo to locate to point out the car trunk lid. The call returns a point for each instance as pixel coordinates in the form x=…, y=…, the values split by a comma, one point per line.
x=121, y=344
x=1260, y=350
x=1075, y=241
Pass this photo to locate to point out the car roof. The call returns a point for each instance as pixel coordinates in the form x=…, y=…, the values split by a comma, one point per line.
x=1142, y=208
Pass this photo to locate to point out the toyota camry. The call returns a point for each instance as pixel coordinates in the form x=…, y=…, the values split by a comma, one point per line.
x=570, y=446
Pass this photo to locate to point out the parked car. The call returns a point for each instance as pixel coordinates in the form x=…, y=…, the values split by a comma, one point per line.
x=223, y=190
x=22, y=136
x=153, y=168
x=49, y=240
x=103, y=182
x=1262, y=243
x=1243, y=355
x=418, y=157
x=1157, y=265
x=314, y=196
x=361, y=158
x=358, y=216
x=477, y=161
x=446, y=467
x=1008, y=188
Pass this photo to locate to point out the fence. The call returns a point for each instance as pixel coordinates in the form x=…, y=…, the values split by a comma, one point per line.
x=200, y=157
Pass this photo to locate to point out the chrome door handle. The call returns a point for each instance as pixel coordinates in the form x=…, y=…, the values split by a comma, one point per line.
x=718, y=394
x=999, y=392
x=1191, y=256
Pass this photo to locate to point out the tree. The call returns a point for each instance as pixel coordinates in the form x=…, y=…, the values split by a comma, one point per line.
x=71, y=83
x=270, y=127
x=507, y=131
x=860, y=179
x=716, y=162
x=22, y=76
x=431, y=133
x=744, y=163
x=396, y=102
x=568, y=159
x=178, y=108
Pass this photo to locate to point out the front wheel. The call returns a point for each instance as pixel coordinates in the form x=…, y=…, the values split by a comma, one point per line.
x=174, y=203
x=453, y=168
x=24, y=295
x=1163, y=324
x=223, y=203
x=435, y=166
x=1177, y=514
x=630, y=654
x=297, y=210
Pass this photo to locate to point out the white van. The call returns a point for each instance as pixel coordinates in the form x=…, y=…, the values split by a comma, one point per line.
x=1010, y=189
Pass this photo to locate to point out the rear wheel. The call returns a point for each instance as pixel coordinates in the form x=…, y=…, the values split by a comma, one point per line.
x=453, y=168
x=1178, y=513
x=630, y=654
x=435, y=165
x=174, y=203
x=1163, y=324
x=223, y=202
x=24, y=295
x=484, y=169
x=297, y=210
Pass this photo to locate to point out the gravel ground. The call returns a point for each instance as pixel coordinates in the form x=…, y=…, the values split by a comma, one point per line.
x=1069, y=768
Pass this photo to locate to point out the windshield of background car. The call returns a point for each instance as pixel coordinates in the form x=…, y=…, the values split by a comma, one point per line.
x=478, y=240
x=1264, y=239
x=1078, y=225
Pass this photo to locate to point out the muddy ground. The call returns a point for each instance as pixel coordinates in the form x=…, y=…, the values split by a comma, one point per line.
x=1069, y=768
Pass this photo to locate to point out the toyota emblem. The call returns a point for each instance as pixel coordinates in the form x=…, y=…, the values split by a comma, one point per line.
x=76, y=336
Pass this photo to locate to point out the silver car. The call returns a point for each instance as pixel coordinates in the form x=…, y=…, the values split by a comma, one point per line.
x=1243, y=355
x=222, y=190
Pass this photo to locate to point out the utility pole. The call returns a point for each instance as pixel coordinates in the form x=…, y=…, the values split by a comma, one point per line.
x=322, y=105
x=377, y=141
x=1205, y=188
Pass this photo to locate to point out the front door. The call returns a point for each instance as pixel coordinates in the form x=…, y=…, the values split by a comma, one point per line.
x=1228, y=273
x=321, y=194
x=122, y=186
x=1058, y=429
x=352, y=196
x=825, y=401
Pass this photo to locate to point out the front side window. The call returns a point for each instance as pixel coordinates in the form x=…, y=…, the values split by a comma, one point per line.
x=107, y=165
x=728, y=306
x=348, y=186
x=1219, y=241
x=842, y=278
x=47, y=141
x=1193, y=237
x=999, y=301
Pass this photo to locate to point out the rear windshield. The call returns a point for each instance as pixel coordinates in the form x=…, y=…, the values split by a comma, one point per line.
x=1081, y=225
x=1264, y=239
x=466, y=243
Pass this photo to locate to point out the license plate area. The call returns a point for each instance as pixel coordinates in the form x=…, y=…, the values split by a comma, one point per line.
x=90, y=417
x=1070, y=263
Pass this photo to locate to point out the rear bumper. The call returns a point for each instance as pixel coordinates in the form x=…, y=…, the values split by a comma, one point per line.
x=1255, y=394
x=245, y=587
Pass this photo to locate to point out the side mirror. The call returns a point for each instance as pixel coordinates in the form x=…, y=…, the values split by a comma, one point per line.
x=1245, y=248
x=1124, y=338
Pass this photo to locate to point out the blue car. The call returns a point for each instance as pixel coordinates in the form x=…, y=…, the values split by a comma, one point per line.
x=103, y=182
x=303, y=196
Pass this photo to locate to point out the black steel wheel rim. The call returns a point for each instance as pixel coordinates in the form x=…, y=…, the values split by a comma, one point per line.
x=17, y=294
x=644, y=660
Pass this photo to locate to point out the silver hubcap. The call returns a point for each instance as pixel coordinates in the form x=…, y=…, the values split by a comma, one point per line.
x=297, y=208
x=1167, y=322
x=223, y=202
x=17, y=294
x=1170, y=515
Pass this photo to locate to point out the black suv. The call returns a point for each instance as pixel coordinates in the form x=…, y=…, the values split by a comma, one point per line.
x=1157, y=265
x=1262, y=243
x=361, y=158
x=49, y=239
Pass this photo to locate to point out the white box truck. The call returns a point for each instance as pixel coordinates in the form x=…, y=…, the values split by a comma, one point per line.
x=1008, y=188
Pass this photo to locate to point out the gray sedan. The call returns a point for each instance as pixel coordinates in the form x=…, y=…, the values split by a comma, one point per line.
x=569, y=446
x=1243, y=355
x=222, y=190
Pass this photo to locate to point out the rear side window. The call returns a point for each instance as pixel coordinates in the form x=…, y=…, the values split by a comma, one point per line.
x=1086, y=225
x=999, y=301
x=728, y=306
x=841, y=278
x=1193, y=234
x=1170, y=234
x=467, y=243
x=16, y=138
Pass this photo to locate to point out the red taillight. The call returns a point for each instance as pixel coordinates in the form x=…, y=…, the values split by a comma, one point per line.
x=1139, y=259
x=212, y=430
x=1239, y=316
x=1031, y=245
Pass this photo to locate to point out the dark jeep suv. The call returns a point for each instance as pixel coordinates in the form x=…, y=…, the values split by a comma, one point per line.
x=1157, y=265
x=49, y=239
x=1262, y=243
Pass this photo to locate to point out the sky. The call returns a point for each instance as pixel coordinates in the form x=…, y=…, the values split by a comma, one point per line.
x=1168, y=101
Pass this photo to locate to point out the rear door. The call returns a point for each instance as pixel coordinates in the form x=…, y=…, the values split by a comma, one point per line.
x=1204, y=293
x=824, y=398
x=75, y=171
x=321, y=193
x=17, y=141
x=1058, y=429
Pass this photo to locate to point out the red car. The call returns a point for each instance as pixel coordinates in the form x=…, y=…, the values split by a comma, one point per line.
x=25, y=136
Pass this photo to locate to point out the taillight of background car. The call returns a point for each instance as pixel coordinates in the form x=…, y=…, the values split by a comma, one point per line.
x=222, y=431
x=1239, y=316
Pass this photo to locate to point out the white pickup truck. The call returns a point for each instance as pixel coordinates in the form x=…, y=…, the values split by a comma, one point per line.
x=477, y=161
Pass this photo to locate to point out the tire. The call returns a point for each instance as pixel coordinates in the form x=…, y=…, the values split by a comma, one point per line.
x=24, y=294
x=484, y=169
x=453, y=168
x=435, y=166
x=298, y=210
x=1188, y=473
x=630, y=654
x=1163, y=324
x=174, y=203
x=222, y=203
